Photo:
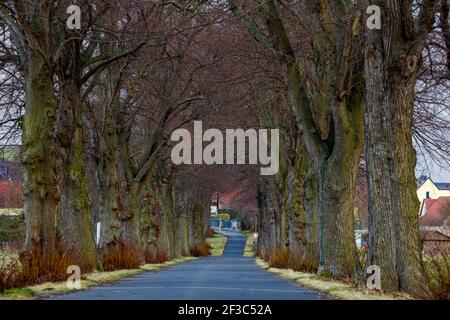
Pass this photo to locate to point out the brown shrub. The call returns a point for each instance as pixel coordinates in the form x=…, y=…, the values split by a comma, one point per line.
x=210, y=233
x=39, y=268
x=200, y=249
x=9, y=271
x=279, y=258
x=28, y=269
x=120, y=257
x=160, y=256
x=297, y=262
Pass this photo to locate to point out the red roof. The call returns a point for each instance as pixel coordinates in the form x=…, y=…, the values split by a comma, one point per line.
x=437, y=211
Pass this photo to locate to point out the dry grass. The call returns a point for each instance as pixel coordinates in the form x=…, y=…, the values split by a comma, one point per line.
x=279, y=258
x=334, y=289
x=160, y=256
x=120, y=257
x=10, y=269
x=27, y=269
x=200, y=249
x=296, y=262
x=88, y=280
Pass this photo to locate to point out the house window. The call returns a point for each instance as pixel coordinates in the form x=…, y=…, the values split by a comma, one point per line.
x=428, y=195
x=5, y=170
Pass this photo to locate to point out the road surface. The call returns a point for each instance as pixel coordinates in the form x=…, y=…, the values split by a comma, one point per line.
x=229, y=277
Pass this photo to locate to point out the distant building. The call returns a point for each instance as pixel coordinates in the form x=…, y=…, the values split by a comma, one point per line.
x=10, y=177
x=435, y=223
x=432, y=190
x=9, y=171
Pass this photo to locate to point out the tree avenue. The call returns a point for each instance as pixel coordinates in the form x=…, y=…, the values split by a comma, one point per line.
x=311, y=118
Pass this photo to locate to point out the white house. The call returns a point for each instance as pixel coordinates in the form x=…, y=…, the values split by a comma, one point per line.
x=433, y=190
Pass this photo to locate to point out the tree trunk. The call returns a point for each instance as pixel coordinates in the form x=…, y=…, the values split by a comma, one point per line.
x=267, y=228
x=131, y=221
x=110, y=201
x=40, y=187
x=391, y=73
x=74, y=221
x=311, y=207
x=337, y=183
x=302, y=212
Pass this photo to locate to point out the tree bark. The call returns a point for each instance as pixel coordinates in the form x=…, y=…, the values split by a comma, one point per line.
x=74, y=221
x=337, y=184
x=111, y=203
x=392, y=59
x=131, y=227
x=39, y=154
x=311, y=207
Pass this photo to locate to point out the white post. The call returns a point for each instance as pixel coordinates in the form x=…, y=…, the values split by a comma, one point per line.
x=98, y=233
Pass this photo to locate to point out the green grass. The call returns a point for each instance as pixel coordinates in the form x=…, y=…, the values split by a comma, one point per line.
x=217, y=244
x=88, y=280
x=335, y=289
x=248, y=251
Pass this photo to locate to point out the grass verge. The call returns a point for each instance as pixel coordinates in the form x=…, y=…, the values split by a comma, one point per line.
x=334, y=289
x=88, y=280
x=217, y=243
x=248, y=251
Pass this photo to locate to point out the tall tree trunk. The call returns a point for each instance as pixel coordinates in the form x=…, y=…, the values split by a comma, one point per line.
x=303, y=209
x=311, y=205
x=337, y=184
x=296, y=211
x=392, y=59
x=110, y=201
x=131, y=230
x=266, y=228
x=41, y=193
x=170, y=227
x=74, y=221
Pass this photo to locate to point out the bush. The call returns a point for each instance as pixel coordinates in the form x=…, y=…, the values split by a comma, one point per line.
x=120, y=257
x=160, y=256
x=28, y=269
x=279, y=258
x=298, y=263
x=9, y=270
x=200, y=249
x=437, y=270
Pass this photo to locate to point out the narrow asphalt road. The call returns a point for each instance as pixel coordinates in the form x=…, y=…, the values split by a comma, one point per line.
x=229, y=277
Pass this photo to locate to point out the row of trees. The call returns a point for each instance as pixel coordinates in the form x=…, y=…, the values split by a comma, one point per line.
x=96, y=108
x=99, y=106
x=349, y=88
